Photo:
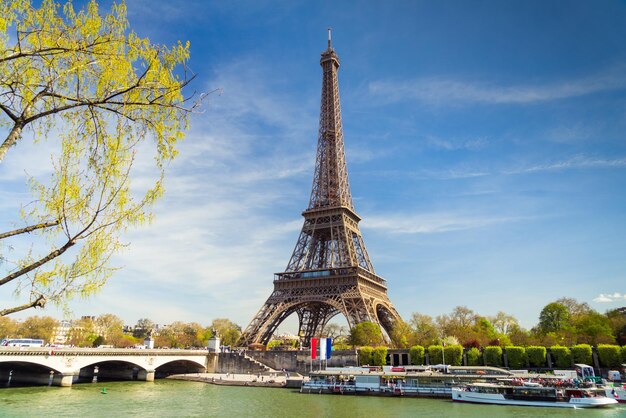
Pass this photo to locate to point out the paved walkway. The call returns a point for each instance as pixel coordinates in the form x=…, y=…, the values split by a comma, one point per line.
x=232, y=379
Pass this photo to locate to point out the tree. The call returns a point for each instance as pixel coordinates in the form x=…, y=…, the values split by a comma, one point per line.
x=574, y=308
x=143, y=328
x=617, y=319
x=553, y=317
x=82, y=333
x=43, y=327
x=366, y=333
x=459, y=323
x=504, y=323
x=401, y=334
x=111, y=327
x=593, y=328
x=334, y=331
x=8, y=327
x=425, y=330
x=98, y=341
x=99, y=90
x=228, y=331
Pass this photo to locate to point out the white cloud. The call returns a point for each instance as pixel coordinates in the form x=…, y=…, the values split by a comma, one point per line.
x=580, y=161
x=608, y=298
x=431, y=223
x=443, y=91
x=454, y=144
x=575, y=162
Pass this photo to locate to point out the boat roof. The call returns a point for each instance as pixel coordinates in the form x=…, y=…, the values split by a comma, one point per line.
x=453, y=372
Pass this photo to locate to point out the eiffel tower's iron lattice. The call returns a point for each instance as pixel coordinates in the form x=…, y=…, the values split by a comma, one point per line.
x=329, y=272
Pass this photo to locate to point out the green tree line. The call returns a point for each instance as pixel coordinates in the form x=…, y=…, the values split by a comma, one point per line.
x=109, y=329
x=564, y=322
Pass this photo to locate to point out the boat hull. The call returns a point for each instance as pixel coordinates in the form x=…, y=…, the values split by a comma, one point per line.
x=459, y=395
x=617, y=393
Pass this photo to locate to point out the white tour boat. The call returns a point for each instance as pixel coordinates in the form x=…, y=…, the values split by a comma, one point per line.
x=617, y=392
x=532, y=394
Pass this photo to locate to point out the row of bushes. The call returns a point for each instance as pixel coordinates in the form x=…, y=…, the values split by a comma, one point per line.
x=374, y=356
x=611, y=356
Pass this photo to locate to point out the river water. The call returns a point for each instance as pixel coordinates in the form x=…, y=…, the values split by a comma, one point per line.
x=167, y=398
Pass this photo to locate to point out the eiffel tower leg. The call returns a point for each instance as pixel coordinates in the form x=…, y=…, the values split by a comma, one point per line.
x=361, y=309
x=265, y=322
x=313, y=317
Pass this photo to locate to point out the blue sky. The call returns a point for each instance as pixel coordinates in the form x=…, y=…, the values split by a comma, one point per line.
x=485, y=145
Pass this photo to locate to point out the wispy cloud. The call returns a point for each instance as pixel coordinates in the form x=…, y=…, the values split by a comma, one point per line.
x=445, y=91
x=608, y=298
x=455, y=144
x=467, y=171
x=575, y=162
x=431, y=223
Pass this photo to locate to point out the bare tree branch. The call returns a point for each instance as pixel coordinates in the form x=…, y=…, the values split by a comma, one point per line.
x=40, y=302
x=52, y=255
x=27, y=229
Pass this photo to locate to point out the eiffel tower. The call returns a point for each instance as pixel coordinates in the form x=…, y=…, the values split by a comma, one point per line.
x=329, y=272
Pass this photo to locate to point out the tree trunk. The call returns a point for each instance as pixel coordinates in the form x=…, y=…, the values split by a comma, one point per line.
x=14, y=135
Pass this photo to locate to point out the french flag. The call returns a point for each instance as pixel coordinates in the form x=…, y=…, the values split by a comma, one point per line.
x=325, y=348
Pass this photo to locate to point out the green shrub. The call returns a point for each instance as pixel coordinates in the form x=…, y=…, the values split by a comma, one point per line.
x=624, y=354
x=609, y=355
x=516, y=357
x=536, y=356
x=474, y=357
x=453, y=355
x=493, y=356
x=379, y=356
x=435, y=354
x=416, y=354
x=365, y=355
x=562, y=356
x=581, y=353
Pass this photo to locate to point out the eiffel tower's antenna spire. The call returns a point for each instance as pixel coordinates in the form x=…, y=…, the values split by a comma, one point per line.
x=329, y=31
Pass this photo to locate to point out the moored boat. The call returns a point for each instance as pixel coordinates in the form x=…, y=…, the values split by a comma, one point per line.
x=532, y=394
x=422, y=381
x=618, y=393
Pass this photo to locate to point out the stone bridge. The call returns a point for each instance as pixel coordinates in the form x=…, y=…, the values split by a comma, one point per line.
x=64, y=366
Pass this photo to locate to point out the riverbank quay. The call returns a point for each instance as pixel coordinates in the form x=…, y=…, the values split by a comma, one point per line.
x=271, y=380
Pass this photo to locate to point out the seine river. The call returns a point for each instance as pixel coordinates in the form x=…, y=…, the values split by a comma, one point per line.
x=189, y=399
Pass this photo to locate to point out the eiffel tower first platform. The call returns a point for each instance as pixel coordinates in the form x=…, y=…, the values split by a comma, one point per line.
x=329, y=272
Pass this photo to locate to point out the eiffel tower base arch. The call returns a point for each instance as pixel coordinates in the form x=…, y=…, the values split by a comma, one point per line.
x=316, y=301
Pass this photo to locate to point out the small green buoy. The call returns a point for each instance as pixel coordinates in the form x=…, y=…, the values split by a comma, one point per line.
x=103, y=391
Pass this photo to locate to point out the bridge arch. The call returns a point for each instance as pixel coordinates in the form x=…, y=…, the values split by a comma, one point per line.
x=27, y=373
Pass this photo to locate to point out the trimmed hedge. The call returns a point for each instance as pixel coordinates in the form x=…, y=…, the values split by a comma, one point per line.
x=536, y=356
x=454, y=355
x=474, y=357
x=609, y=355
x=581, y=353
x=365, y=356
x=516, y=357
x=379, y=356
x=435, y=355
x=562, y=356
x=492, y=356
x=416, y=355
